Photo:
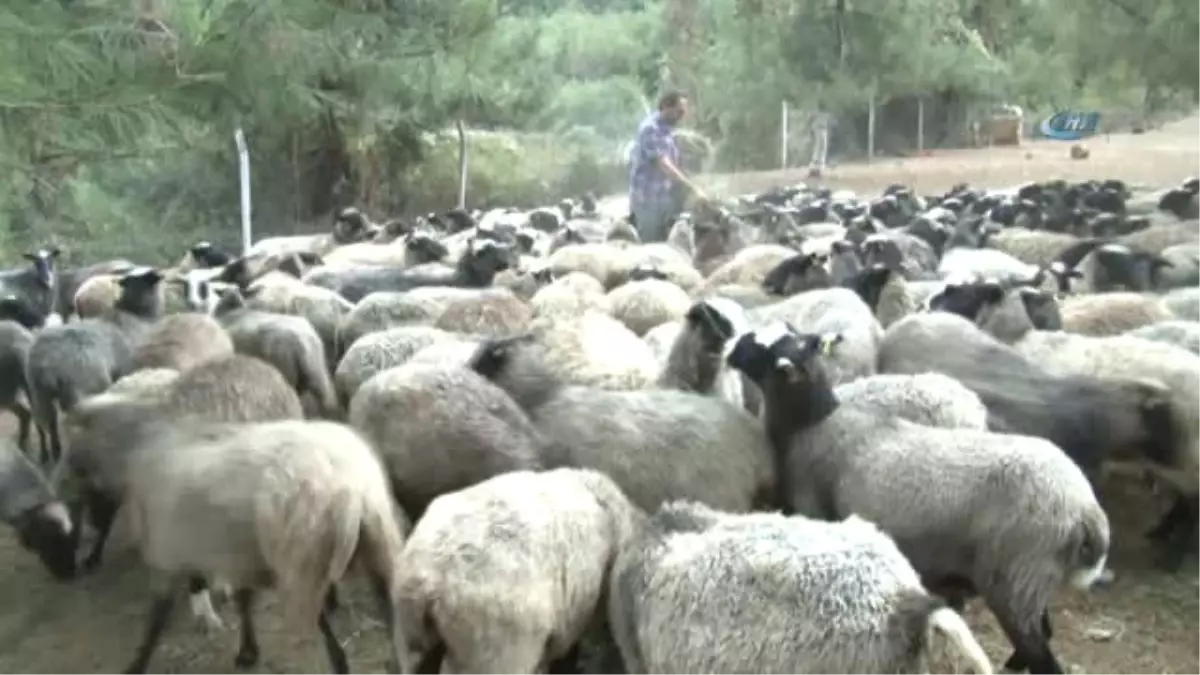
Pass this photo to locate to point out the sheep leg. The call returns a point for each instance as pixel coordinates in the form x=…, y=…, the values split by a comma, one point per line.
x=104, y=513
x=1175, y=532
x=247, y=655
x=567, y=664
x=157, y=620
x=1016, y=662
x=1031, y=646
x=24, y=421
x=200, y=598
x=1169, y=521
x=337, y=655
x=331, y=599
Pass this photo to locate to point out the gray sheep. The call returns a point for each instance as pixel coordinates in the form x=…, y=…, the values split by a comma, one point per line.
x=290, y=343
x=497, y=312
x=931, y=399
x=15, y=341
x=832, y=310
x=37, y=284
x=1010, y=515
x=657, y=444
x=701, y=591
x=287, y=504
x=71, y=361
x=378, y=352
x=1185, y=334
x=441, y=429
x=507, y=575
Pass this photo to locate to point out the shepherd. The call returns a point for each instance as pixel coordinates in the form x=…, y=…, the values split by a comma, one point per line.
x=658, y=187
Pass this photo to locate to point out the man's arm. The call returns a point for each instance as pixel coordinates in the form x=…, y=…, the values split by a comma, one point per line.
x=652, y=148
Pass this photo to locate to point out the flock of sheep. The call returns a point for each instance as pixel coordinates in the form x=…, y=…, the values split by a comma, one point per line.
x=795, y=437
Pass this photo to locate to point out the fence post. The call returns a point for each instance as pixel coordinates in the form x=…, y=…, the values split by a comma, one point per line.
x=921, y=125
x=244, y=180
x=462, y=164
x=871, y=129
x=783, y=135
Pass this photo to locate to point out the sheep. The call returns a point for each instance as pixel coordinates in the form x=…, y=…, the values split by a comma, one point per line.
x=931, y=399
x=102, y=429
x=289, y=343
x=749, y=266
x=1159, y=237
x=594, y=349
x=666, y=259
x=593, y=259
x=800, y=595
x=690, y=352
x=28, y=504
x=1009, y=514
x=203, y=255
x=282, y=293
x=1087, y=418
x=475, y=269
x=1114, y=267
x=830, y=310
x=1185, y=334
x=571, y=295
x=1182, y=269
x=289, y=504
x=181, y=341
x=15, y=341
x=441, y=429
x=1105, y=314
x=889, y=295
x=69, y=281
x=746, y=296
x=71, y=361
x=908, y=254
x=507, y=575
x=96, y=295
x=496, y=312
x=1035, y=247
x=657, y=444
x=645, y=303
x=387, y=309
x=19, y=311
x=378, y=352
x=37, y=284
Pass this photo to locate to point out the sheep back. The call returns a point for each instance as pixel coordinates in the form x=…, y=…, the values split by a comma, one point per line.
x=181, y=341
x=832, y=310
x=932, y=399
x=494, y=312
x=642, y=305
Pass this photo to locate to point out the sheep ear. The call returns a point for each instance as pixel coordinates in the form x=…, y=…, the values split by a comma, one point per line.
x=789, y=369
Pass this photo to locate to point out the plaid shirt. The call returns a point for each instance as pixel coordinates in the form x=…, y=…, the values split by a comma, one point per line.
x=648, y=184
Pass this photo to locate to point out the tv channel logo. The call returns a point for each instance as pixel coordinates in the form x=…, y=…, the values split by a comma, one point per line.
x=1070, y=126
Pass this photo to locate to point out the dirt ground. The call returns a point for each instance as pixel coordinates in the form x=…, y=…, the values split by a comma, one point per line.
x=1145, y=622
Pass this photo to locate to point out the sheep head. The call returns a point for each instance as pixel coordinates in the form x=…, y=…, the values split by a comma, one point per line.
x=13, y=308
x=141, y=292
x=783, y=361
x=716, y=320
x=44, y=265
x=801, y=272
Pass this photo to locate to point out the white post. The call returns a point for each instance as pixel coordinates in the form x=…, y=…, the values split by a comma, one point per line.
x=462, y=165
x=871, y=129
x=244, y=180
x=921, y=125
x=783, y=135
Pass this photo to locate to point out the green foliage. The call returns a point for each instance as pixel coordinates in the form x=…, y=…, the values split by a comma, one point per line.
x=117, y=117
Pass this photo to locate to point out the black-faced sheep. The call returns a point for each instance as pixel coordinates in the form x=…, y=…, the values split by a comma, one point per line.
x=41, y=521
x=836, y=460
x=36, y=284
x=71, y=361
x=475, y=269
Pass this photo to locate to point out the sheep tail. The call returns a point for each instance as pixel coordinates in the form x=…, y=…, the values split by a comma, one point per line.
x=950, y=624
x=315, y=547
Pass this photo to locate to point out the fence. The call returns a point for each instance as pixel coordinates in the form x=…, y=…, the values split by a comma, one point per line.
x=913, y=126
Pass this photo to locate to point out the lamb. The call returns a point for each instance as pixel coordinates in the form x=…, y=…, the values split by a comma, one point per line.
x=508, y=574
x=289, y=343
x=794, y=596
x=42, y=523
x=910, y=255
x=289, y=503
x=496, y=312
x=71, y=361
x=1011, y=515
x=96, y=295
x=475, y=269
x=37, y=284
x=571, y=295
x=15, y=341
x=889, y=295
x=101, y=430
x=441, y=429
x=657, y=444
x=182, y=341
x=832, y=310
x=691, y=352
x=930, y=399
x=378, y=352
x=349, y=226
x=643, y=304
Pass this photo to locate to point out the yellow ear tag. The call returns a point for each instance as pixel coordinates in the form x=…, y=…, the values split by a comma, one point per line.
x=827, y=345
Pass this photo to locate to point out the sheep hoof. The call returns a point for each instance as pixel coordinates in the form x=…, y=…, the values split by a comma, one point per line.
x=203, y=610
x=246, y=658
